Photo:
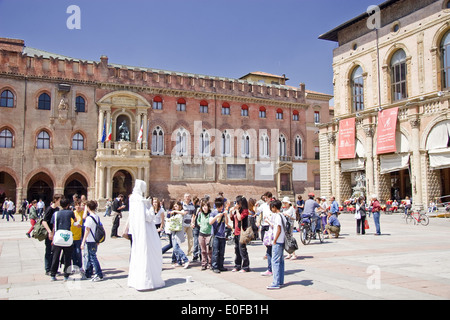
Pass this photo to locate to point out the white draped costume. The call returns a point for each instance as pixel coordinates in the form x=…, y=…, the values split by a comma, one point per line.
x=146, y=255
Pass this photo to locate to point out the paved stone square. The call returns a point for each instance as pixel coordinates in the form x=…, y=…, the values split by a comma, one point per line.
x=405, y=262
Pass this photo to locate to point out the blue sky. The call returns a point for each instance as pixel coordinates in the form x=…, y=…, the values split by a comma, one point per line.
x=226, y=38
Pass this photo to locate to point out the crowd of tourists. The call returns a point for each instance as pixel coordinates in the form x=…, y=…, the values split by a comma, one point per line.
x=206, y=224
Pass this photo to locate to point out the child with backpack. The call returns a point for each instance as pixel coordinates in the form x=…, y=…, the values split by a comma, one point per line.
x=91, y=224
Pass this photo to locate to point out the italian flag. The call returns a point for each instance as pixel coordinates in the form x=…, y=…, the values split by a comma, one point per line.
x=109, y=133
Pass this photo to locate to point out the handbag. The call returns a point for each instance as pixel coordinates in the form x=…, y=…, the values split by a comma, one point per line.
x=62, y=238
x=268, y=238
x=366, y=224
x=247, y=235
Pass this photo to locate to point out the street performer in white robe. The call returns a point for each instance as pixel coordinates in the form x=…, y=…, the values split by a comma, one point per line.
x=146, y=255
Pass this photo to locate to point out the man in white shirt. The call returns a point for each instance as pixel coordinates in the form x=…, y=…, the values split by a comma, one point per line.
x=40, y=208
x=278, y=246
x=11, y=209
x=266, y=213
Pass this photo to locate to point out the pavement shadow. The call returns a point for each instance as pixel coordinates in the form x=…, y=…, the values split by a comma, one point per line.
x=304, y=283
x=174, y=281
x=302, y=258
x=115, y=273
x=294, y=271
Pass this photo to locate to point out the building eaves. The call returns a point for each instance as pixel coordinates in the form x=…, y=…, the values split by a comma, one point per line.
x=332, y=35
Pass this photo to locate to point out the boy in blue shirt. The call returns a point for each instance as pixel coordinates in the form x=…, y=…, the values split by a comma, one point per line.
x=218, y=219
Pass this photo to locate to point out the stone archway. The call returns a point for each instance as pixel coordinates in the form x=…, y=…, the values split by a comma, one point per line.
x=75, y=184
x=40, y=186
x=7, y=187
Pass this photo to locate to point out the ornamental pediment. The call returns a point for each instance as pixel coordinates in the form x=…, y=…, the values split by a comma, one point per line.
x=124, y=99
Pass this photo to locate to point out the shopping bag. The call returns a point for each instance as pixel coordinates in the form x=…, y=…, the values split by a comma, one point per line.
x=366, y=224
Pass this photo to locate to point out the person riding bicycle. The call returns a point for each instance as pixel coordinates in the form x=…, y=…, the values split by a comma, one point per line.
x=310, y=211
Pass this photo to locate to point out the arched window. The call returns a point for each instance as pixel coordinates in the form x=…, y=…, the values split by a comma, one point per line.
x=225, y=108
x=295, y=115
x=282, y=150
x=205, y=141
x=181, y=142
x=298, y=147
x=78, y=142
x=203, y=106
x=44, y=102
x=6, y=139
x=264, y=146
x=80, y=104
x=157, y=141
x=357, y=86
x=445, y=61
x=181, y=105
x=43, y=140
x=226, y=144
x=262, y=112
x=398, y=76
x=7, y=99
x=245, y=145
x=279, y=114
x=157, y=103
x=244, y=110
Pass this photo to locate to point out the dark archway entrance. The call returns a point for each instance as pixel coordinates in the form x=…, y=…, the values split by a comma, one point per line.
x=75, y=184
x=40, y=187
x=400, y=185
x=7, y=187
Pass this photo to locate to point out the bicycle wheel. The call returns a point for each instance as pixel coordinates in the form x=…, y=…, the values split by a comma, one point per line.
x=304, y=236
x=409, y=219
x=424, y=220
x=320, y=235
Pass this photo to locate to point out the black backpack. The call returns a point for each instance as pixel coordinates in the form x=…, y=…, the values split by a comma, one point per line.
x=100, y=234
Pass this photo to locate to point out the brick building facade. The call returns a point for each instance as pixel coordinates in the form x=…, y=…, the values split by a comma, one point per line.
x=199, y=134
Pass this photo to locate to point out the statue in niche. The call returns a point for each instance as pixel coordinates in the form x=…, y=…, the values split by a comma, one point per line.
x=124, y=133
x=63, y=105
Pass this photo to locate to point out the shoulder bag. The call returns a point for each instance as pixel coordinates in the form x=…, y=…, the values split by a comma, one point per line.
x=62, y=238
x=247, y=235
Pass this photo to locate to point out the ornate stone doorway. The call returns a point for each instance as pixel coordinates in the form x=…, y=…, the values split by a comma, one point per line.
x=122, y=183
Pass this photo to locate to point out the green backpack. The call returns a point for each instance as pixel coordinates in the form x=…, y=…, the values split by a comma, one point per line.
x=39, y=231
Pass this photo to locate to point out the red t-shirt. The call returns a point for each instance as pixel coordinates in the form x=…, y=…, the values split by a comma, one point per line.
x=237, y=230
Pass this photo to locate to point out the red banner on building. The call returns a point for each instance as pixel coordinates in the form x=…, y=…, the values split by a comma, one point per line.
x=346, y=149
x=387, y=123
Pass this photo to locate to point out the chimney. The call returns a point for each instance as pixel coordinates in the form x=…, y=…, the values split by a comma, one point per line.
x=104, y=61
x=12, y=45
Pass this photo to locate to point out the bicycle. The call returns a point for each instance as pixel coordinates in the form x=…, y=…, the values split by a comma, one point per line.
x=306, y=232
x=417, y=217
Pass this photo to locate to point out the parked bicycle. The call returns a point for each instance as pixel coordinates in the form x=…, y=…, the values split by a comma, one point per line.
x=306, y=231
x=417, y=218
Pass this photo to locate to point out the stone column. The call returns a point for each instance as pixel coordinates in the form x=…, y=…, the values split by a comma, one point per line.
x=108, y=182
x=370, y=182
x=101, y=188
x=331, y=138
x=416, y=164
